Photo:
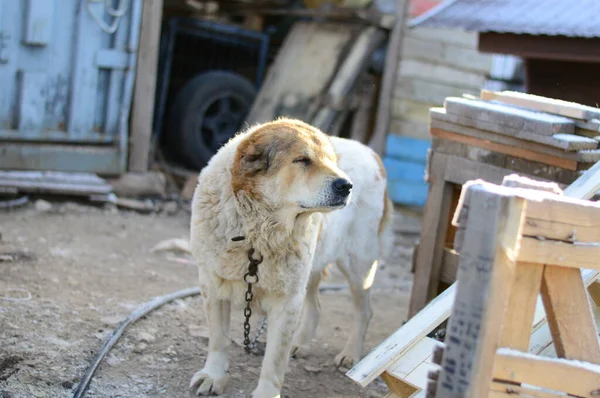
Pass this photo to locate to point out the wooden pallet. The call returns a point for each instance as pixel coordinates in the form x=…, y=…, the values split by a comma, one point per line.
x=406, y=357
x=527, y=246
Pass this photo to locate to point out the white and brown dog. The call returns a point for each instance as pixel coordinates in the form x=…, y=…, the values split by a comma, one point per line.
x=278, y=185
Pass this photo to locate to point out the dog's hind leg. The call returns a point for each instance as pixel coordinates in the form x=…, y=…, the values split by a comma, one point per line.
x=310, y=316
x=283, y=318
x=360, y=288
x=213, y=377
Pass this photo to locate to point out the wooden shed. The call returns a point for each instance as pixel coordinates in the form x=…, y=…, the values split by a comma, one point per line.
x=559, y=40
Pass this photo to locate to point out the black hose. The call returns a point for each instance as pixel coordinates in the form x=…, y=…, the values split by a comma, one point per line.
x=138, y=313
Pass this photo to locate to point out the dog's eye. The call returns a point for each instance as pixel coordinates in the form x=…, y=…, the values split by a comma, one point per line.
x=306, y=161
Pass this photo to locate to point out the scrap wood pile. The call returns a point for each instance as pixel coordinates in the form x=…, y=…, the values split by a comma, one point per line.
x=559, y=322
x=539, y=129
x=320, y=76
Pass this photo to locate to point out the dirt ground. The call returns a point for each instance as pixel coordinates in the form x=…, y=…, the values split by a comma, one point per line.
x=81, y=270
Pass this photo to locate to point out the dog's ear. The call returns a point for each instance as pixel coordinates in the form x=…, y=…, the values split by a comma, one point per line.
x=257, y=157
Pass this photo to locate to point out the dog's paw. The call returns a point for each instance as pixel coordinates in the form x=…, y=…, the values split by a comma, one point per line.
x=301, y=351
x=344, y=360
x=205, y=382
x=265, y=389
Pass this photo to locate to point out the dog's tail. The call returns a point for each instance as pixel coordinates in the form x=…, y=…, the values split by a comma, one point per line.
x=386, y=231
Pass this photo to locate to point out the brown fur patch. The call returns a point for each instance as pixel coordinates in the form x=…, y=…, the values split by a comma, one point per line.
x=382, y=172
x=271, y=146
x=388, y=209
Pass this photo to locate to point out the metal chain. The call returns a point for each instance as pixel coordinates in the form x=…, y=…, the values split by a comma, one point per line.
x=251, y=277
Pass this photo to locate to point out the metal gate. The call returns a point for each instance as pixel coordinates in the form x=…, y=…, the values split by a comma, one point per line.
x=66, y=82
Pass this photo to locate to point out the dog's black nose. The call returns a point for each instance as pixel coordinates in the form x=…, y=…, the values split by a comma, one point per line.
x=342, y=186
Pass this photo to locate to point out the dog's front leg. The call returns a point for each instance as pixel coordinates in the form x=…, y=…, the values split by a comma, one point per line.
x=282, y=316
x=213, y=378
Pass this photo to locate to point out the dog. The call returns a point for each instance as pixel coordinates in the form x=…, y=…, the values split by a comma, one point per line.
x=299, y=200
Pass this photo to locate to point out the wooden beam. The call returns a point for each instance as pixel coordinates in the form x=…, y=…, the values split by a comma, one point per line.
x=485, y=274
x=390, y=69
x=572, y=377
x=569, y=315
x=559, y=253
x=403, y=339
x=145, y=86
x=516, y=330
x=398, y=387
x=541, y=47
x=505, y=149
x=587, y=185
x=433, y=234
x=543, y=104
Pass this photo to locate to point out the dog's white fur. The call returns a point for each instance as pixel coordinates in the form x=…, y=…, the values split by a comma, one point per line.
x=289, y=218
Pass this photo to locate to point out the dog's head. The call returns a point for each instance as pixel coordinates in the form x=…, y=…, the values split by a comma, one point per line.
x=290, y=164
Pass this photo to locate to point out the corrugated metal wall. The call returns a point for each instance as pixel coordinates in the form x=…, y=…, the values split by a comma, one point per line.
x=66, y=81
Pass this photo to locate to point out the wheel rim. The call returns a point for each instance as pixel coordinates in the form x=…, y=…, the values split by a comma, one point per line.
x=219, y=119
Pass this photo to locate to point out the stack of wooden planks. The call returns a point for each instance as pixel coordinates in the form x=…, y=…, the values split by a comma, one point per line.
x=543, y=130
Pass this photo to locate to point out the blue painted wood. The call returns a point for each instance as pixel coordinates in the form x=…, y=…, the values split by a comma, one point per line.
x=408, y=193
x=112, y=59
x=93, y=159
x=84, y=85
x=32, y=102
x=404, y=170
x=407, y=148
x=3, y=36
x=39, y=19
x=89, y=74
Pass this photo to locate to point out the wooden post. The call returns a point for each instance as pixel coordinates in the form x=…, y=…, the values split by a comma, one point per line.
x=390, y=69
x=145, y=85
x=486, y=274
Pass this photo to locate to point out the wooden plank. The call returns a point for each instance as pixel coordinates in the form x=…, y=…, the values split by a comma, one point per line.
x=410, y=110
x=587, y=185
x=421, y=352
x=294, y=73
x=353, y=65
x=434, y=228
x=403, y=339
x=566, y=142
x=362, y=121
x=594, y=291
x=451, y=36
x=506, y=149
x=485, y=277
x=39, y=20
x=32, y=101
x=516, y=330
x=543, y=104
x=425, y=91
x=344, y=81
x=559, y=253
x=442, y=120
x=460, y=170
x=409, y=129
x=573, y=377
x=400, y=388
x=509, y=117
x=424, y=70
x=569, y=314
x=459, y=57
x=145, y=86
x=450, y=262
x=510, y=390
x=390, y=70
